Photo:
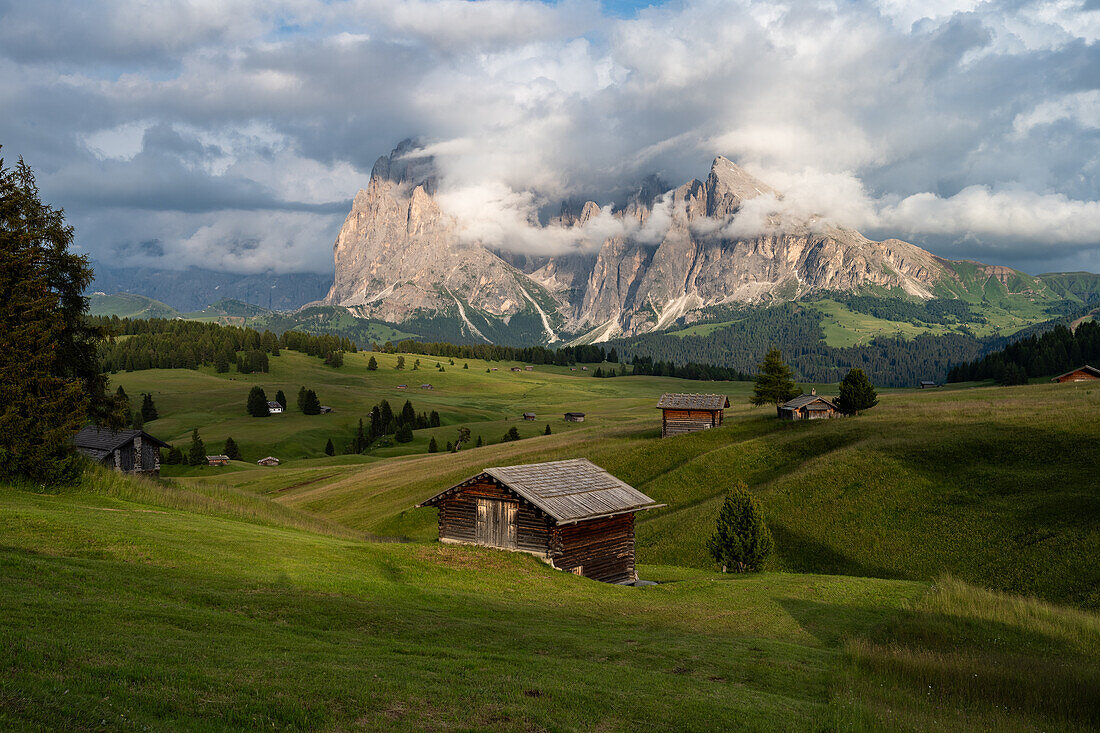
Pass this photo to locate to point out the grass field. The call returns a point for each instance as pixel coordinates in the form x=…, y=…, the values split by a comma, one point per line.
x=995, y=485
x=131, y=605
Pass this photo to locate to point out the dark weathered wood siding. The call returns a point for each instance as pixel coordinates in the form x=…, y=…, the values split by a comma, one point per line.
x=677, y=422
x=458, y=517
x=1078, y=375
x=601, y=549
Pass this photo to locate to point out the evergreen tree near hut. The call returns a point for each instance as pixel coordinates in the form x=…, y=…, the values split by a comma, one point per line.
x=433, y=419
x=856, y=393
x=360, y=442
x=301, y=398
x=175, y=456
x=280, y=397
x=137, y=421
x=196, y=454
x=330, y=449
x=404, y=434
x=311, y=405
x=372, y=364
x=257, y=402
x=232, y=450
x=741, y=541
x=547, y=431
x=511, y=435
x=774, y=383
x=433, y=447
x=148, y=408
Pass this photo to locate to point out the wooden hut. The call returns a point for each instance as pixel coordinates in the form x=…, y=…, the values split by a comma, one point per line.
x=686, y=413
x=132, y=451
x=274, y=408
x=1085, y=373
x=574, y=417
x=529, y=416
x=573, y=514
x=268, y=461
x=807, y=407
x=218, y=460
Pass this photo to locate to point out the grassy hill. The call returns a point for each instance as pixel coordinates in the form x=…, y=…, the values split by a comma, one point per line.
x=128, y=305
x=134, y=605
x=991, y=484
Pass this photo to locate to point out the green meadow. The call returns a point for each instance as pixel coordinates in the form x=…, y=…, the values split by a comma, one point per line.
x=935, y=567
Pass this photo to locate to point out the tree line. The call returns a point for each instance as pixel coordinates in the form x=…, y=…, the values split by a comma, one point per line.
x=562, y=356
x=160, y=343
x=1040, y=355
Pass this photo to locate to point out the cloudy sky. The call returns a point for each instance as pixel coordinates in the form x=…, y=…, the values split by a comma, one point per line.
x=234, y=133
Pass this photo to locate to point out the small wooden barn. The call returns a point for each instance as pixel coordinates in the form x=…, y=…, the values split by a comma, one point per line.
x=573, y=514
x=927, y=384
x=808, y=407
x=1084, y=373
x=686, y=413
x=218, y=460
x=268, y=461
x=133, y=451
x=529, y=416
x=274, y=408
x=574, y=417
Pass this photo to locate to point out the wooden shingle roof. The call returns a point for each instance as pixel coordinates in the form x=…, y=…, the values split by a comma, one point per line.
x=1086, y=369
x=93, y=439
x=803, y=400
x=567, y=491
x=681, y=401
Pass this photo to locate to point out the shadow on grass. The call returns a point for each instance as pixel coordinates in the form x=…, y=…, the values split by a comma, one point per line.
x=803, y=554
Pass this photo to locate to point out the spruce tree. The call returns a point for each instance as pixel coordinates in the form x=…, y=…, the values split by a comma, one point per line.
x=221, y=362
x=360, y=442
x=330, y=449
x=372, y=364
x=257, y=402
x=175, y=456
x=404, y=434
x=856, y=393
x=433, y=419
x=301, y=398
x=232, y=450
x=463, y=437
x=400, y=362
x=465, y=366
x=148, y=409
x=408, y=414
x=433, y=447
x=196, y=455
x=311, y=405
x=137, y=421
x=547, y=432
x=281, y=398
x=386, y=416
x=511, y=435
x=774, y=382
x=741, y=541
x=377, y=427
x=479, y=442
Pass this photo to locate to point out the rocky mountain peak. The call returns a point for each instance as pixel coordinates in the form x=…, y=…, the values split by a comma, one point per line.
x=405, y=166
x=728, y=185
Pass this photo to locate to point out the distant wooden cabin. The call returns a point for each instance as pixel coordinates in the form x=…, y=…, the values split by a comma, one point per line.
x=686, y=413
x=274, y=408
x=808, y=407
x=268, y=461
x=402, y=386
x=131, y=451
x=516, y=369
x=1085, y=373
x=325, y=409
x=925, y=384
x=573, y=514
x=426, y=386
x=574, y=417
x=529, y=368
x=217, y=460
x=529, y=416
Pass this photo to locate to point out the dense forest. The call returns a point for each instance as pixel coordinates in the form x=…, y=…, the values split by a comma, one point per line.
x=796, y=331
x=564, y=356
x=159, y=343
x=1044, y=355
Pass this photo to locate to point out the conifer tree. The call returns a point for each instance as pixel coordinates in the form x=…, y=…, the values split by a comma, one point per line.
x=377, y=427
x=856, y=393
x=257, y=402
x=547, y=429
x=221, y=362
x=311, y=405
x=281, y=398
x=433, y=447
x=463, y=437
x=386, y=416
x=400, y=362
x=360, y=442
x=511, y=435
x=301, y=398
x=148, y=409
x=137, y=421
x=433, y=419
x=404, y=434
x=741, y=541
x=479, y=442
x=231, y=449
x=372, y=364
x=408, y=414
x=774, y=382
x=465, y=366
x=175, y=456
x=330, y=449
x=196, y=455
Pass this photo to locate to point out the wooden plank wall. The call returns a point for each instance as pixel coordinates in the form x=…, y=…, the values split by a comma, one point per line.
x=602, y=548
x=677, y=422
x=458, y=517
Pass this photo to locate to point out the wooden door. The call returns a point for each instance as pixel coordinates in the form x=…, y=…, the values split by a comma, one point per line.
x=496, y=523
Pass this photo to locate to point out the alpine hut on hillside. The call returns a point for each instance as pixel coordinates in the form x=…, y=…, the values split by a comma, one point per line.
x=573, y=514
x=218, y=460
x=574, y=417
x=1085, y=373
x=133, y=451
x=807, y=407
x=529, y=416
x=686, y=413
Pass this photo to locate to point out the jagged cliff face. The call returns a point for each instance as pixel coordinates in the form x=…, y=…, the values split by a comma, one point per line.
x=398, y=255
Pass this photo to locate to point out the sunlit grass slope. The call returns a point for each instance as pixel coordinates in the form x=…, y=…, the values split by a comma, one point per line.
x=127, y=609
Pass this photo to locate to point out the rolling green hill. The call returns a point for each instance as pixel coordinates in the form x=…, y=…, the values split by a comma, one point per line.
x=127, y=305
x=991, y=484
x=129, y=604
